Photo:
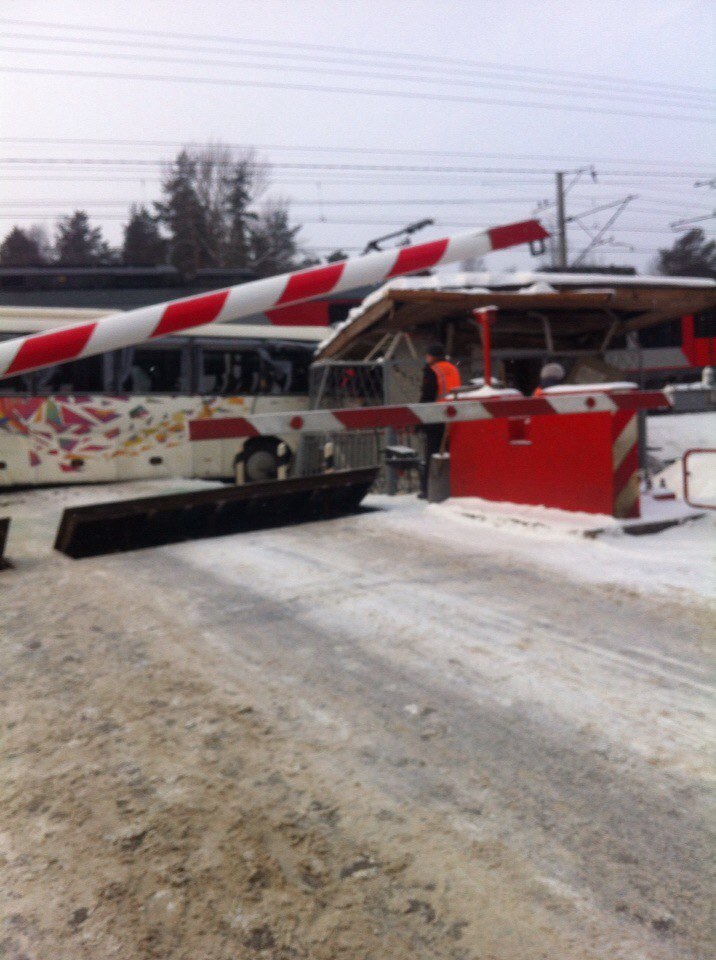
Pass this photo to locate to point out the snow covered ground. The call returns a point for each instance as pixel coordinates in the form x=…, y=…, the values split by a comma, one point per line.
x=668, y=439
x=673, y=434
x=521, y=711
x=676, y=562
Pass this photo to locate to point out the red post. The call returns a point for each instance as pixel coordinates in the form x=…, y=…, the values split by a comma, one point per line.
x=485, y=316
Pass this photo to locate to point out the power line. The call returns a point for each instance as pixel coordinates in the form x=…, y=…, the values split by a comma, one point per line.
x=323, y=221
x=385, y=54
x=498, y=73
x=314, y=166
x=674, y=101
x=353, y=91
x=299, y=148
x=75, y=203
x=441, y=201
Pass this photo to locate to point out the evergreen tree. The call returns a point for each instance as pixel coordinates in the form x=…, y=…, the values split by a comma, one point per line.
x=305, y=261
x=143, y=245
x=691, y=256
x=39, y=236
x=208, y=212
x=242, y=184
x=184, y=217
x=273, y=241
x=336, y=256
x=21, y=249
x=77, y=244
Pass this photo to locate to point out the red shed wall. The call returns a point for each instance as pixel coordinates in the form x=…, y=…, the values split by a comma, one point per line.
x=561, y=461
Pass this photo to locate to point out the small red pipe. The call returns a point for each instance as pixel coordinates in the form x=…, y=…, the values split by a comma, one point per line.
x=485, y=316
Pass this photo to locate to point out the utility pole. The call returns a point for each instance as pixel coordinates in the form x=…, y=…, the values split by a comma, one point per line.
x=561, y=222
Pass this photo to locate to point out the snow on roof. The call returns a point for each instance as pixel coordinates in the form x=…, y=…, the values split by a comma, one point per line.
x=521, y=282
x=543, y=282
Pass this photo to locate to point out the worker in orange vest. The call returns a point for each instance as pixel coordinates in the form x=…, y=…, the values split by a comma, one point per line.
x=439, y=378
x=551, y=375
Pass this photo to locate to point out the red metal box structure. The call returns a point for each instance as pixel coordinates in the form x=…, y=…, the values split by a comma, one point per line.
x=583, y=461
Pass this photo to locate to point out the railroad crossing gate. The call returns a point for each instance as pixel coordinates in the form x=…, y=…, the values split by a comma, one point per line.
x=575, y=449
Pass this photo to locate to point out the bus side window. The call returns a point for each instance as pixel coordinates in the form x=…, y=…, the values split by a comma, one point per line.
x=150, y=370
x=214, y=371
x=301, y=358
x=20, y=384
x=77, y=376
x=233, y=372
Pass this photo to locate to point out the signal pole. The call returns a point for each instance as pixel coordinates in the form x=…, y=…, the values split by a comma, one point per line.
x=561, y=222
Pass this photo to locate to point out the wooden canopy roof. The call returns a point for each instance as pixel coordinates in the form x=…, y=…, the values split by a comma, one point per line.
x=578, y=318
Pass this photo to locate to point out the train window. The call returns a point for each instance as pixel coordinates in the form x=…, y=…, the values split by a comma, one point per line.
x=77, y=376
x=705, y=323
x=661, y=335
x=151, y=370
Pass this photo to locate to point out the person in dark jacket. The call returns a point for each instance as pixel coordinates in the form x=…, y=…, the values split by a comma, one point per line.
x=439, y=378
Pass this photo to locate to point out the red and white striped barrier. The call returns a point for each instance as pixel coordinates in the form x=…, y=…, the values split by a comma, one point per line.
x=625, y=464
x=24, y=354
x=417, y=414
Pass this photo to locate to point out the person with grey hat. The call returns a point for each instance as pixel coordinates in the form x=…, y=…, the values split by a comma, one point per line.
x=551, y=375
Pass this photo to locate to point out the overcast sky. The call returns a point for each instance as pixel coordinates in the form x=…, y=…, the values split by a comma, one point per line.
x=507, y=90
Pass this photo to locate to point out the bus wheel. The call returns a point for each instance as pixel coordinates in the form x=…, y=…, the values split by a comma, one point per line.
x=261, y=461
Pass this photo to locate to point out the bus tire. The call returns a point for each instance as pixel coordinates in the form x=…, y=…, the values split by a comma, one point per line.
x=261, y=460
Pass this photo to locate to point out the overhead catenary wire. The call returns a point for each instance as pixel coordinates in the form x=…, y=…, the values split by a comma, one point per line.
x=673, y=101
x=412, y=57
x=478, y=223
x=378, y=202
x=372, y=150
x=78, y=202
x=496, y=76
x=315, y=166
x=352, y=91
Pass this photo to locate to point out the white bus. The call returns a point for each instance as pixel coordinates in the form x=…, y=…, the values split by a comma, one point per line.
x=125, y=414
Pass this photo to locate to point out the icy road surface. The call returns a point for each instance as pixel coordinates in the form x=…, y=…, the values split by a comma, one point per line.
x=530, y=738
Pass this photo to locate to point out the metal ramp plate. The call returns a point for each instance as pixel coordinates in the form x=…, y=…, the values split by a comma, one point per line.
x=152, y=521
x=4, y=529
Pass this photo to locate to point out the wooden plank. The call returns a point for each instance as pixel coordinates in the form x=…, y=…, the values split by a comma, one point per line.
x=507, y=301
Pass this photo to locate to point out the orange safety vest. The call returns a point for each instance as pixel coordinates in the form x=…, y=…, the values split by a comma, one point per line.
x=448, y=377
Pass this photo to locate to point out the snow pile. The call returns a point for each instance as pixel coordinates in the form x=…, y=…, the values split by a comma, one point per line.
x=540, y=286
x=702, y=478
x=591, y=387
x=501, y=514
x=671, y=435
x=485, y=391
x=679, y=560
x=668, y=439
